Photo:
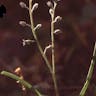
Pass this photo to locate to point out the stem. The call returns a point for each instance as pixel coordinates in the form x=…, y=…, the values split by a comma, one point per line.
x=23, y=82
x=13, y=76
x=36, y=39
x=53, y=52
x=51, y=69
x=90, y=72
x=55, y=84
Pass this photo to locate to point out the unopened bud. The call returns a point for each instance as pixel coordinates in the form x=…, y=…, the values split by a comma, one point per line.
x=22, y=23
x=35, y=6
x=57, y=31
x=38, y=27
x=51, y=11
x=49, y=4
x=57, y=19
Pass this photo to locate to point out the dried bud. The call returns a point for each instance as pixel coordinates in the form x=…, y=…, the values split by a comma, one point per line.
x=35, y=6
x=23, y=5
x=57, y=31
x=57, y=19
x=27, y=42
x=49, y=4
x=38, y=27
x=51, y=11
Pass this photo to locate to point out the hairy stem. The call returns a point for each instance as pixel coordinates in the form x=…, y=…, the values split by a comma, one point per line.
x=90, y=72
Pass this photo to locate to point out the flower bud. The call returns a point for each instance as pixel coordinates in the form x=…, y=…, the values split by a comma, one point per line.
x=38, y=27
x=57, y=19
x=57, y=31
x=22, y=4
x=35, y=6
x=51, y=11
x=22, y=23
x=49, y=4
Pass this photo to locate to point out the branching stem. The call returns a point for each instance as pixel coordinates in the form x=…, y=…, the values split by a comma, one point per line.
x=36, y=39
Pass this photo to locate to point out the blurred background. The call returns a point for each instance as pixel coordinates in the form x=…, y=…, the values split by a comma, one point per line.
x=73, y=47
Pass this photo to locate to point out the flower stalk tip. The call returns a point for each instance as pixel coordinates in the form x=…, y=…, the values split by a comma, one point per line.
x=23, y=5
x=35, y=6
x=38, y=26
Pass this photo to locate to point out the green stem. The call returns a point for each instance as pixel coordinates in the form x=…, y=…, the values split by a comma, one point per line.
x=13, y=76
x=23, y=82
x=90, y=72
x=36, y=39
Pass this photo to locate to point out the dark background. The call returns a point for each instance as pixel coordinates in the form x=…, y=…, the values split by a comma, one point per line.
x=73, y=47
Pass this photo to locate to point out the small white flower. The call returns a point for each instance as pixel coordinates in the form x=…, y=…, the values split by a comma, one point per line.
x=51, y=11
x=23, y=5
x=22, y=23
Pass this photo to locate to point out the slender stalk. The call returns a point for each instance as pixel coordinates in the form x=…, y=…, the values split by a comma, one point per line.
x=36, y=39
x=89, y=75
x=53, y=51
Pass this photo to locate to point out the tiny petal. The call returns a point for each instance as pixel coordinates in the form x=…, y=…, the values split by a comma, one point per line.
x=35, y=6
x=49, y=4
x=23, y=23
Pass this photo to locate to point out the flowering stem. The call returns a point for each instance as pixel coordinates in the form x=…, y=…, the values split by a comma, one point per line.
x=36, y=39
x=90, y=72
x=51, y=69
